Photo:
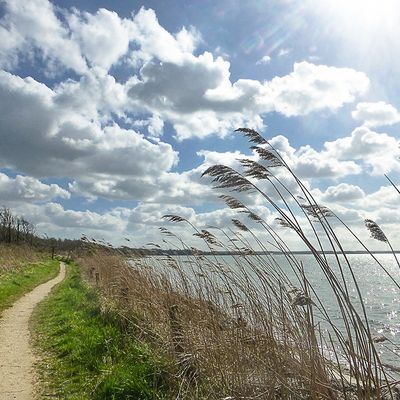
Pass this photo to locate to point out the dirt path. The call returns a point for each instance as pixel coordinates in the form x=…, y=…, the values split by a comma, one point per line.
x=16, y=356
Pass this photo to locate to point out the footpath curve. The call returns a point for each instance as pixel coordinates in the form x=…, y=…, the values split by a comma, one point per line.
x=17, y=377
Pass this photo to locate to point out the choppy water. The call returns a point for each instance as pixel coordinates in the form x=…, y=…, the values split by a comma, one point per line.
x=380, y=295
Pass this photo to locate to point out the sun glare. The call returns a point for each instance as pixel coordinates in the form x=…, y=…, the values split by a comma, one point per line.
x=359, y=22
x=368, y=12
x=366, y=7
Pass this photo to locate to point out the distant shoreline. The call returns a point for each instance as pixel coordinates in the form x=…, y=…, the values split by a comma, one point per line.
x=255, y=253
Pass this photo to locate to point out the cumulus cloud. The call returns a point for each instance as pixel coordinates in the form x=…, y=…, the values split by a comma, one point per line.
x=102, y=37
x=82, y=38
x=150, y=214
x=25, y=188
x=362, y=151
x=28, y=24
x=192, y=92
x=155, y=125
x=385, y=196
x=308, y=162
x=140, y=223
x=54, y=220
x=315, y=87
x=377, y=151
x=376, y=114
x=159, y=87
x=58, y=142
x=95, y=96
x=57, y=215
x=81, y=128
x=341, y=193
x=206, y=101
x=156, y=42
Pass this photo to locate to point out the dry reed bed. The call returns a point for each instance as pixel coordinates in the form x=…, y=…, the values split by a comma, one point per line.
x=244, y=329
x=221, y=345
x=224, y=335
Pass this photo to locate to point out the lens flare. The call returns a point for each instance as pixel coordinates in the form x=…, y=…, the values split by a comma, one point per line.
x=367, y=15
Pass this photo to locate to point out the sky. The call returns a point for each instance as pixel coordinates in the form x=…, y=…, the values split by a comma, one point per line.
x=111, y=110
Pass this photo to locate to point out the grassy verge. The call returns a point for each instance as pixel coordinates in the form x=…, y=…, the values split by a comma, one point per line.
x=15, y=283
x=14, y=256
x=88, y=355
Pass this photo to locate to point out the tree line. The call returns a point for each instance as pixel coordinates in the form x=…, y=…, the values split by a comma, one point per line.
x=15, y=229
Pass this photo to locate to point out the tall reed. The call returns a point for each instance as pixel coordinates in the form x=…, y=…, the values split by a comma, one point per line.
x=243, y=326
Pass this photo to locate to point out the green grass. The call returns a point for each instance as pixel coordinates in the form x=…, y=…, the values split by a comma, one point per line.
x=89, y=356
x=15, y=283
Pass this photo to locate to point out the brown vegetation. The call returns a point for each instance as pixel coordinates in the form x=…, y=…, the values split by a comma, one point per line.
x=14, y=256
x=241, y=329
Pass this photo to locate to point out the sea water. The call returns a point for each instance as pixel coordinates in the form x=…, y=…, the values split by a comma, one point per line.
x=379, y=293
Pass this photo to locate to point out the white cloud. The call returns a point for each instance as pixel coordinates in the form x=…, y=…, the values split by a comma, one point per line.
x=103, y=37
x=341, y=193
x=156, y=125
x=69, y=130
x=10, y=41
x=188, y=39
x=192, y=92
x=25, y=188
x=205, y=101
x=264, y=60
x=140, y=223
x=387, y=217
x=82, y=219
x=180, y=87
x=34, y=23
x=307, y=162
x=52, y=218
x=316, y=87
x=59, y=142
x=377, y=151
x=385, y=197
x=155, y=41
x=376, y=114
x=363, y=151
x=150, y=214
x=95, y=96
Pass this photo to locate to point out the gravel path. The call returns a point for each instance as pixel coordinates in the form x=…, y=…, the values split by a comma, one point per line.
x=17, y=378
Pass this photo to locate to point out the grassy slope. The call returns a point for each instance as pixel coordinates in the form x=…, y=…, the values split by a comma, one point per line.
x=15, y=283
x=88, y=356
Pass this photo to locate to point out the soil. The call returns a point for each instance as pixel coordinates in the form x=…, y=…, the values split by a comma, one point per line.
x=17, y=359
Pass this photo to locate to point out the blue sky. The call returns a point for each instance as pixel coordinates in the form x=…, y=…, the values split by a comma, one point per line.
x=111, y=110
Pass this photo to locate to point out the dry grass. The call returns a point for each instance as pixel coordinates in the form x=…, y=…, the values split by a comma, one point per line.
x=15, y=256
x=243, y=329
x=226, y=338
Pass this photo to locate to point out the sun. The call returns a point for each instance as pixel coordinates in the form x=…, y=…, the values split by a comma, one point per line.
x=361, y=21
x=365, y=7
x=371, y=10
x=369, y=13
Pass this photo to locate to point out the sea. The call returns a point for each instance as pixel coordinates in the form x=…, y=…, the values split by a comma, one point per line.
x=380, y=295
